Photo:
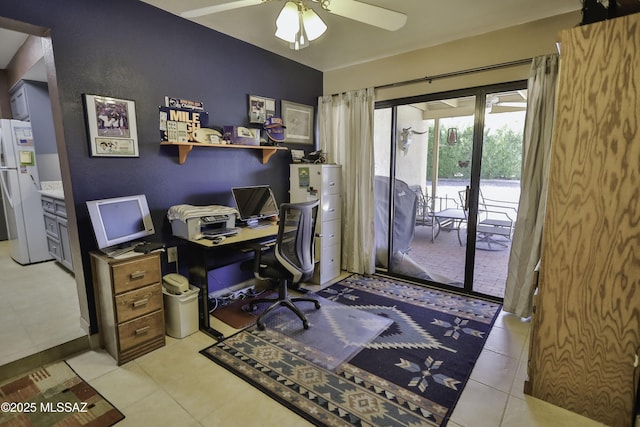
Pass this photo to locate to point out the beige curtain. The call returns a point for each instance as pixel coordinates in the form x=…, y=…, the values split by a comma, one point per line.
x=345, y=130
x=527, y=236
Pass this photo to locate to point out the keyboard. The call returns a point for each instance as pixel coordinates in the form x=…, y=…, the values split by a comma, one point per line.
x=147, y=247
x=120, y=251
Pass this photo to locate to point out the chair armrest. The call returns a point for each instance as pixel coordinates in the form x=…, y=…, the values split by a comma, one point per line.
x=507, y=211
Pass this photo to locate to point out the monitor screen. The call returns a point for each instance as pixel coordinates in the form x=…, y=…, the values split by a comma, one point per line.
x=255, y=202
x=120, y=220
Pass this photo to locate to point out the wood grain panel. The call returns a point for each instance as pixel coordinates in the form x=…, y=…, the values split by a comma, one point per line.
x=587, y=325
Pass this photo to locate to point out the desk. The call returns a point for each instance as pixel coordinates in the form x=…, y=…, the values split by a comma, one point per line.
x=204, y=255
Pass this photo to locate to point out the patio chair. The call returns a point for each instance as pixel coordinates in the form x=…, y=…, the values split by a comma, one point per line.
x=499, y=213
x=494, y=228
x=424, y=214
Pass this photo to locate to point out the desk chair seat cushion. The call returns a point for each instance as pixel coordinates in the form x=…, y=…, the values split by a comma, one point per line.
x=268, y=267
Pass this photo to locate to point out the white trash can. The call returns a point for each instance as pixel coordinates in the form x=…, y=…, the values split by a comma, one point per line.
x=181, y=312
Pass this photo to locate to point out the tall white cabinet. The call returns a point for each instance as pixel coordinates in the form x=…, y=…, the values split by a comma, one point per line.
x=322, y=182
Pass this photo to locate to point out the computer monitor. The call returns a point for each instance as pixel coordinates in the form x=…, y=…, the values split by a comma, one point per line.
x=120, y=220
x=255, y=203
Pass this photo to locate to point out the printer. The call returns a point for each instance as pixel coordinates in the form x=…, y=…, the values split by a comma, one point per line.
x=195, y=222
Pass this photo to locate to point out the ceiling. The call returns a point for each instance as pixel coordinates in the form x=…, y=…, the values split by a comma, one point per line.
x=348, y=42
x=10, y=42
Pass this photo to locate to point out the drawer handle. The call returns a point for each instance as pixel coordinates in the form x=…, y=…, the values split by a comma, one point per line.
x=332, y=184
x=332, y=210
x=140, y=303
x=138, y=274
x=142, y=331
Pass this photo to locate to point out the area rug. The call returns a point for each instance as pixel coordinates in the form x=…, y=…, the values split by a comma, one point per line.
x=54, y=395
x=412, y=374
x=336, y=331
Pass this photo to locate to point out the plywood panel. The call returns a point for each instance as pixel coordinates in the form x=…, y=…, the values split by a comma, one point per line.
x=587, y=323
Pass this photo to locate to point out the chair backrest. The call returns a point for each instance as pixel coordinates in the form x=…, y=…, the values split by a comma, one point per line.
x=295, y=244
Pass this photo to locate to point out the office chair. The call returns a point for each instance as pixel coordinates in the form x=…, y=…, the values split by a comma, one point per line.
x=292, y=260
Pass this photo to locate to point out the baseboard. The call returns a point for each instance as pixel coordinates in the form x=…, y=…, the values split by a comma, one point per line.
x=46, y=357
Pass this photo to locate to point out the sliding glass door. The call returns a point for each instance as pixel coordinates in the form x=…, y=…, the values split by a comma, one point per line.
x=452, y=164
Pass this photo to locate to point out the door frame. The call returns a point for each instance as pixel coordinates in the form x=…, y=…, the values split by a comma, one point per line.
x=480, y=93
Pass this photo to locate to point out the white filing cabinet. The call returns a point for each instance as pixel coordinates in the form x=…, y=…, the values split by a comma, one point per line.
x=322, y=182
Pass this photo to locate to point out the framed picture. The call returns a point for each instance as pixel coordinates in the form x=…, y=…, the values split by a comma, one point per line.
x=261, y=108
x=111, y=125
x=298, y=119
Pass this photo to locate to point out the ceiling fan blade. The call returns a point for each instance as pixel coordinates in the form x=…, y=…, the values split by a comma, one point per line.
x=194, y=13
x=369, y=14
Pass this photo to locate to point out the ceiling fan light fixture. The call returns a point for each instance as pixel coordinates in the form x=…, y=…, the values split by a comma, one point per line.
x=288, y=22
x=298, y=25
x=313, y=24
x=301, y=40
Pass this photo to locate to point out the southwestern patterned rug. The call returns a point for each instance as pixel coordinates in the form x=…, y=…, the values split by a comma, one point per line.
x=411, y=374
x=54, y=396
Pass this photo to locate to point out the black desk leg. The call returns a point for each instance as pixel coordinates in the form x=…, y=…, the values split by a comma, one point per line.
x=198, y=277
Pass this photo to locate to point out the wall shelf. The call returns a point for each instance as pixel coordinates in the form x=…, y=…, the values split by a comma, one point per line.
x=184, y=148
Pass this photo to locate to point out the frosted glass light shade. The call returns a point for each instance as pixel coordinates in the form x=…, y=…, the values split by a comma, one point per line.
x=313, y=24
x=288, y=22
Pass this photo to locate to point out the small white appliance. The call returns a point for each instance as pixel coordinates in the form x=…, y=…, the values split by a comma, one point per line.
x=21, y=193
x=175, y=283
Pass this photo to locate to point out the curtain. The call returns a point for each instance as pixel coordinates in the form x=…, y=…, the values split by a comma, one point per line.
x=345, y=131
x=527, y=236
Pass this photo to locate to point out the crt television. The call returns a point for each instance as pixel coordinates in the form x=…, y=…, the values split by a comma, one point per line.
x=255, y=203
x=120, y=220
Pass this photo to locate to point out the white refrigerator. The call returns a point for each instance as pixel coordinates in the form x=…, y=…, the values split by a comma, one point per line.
x=20, y=193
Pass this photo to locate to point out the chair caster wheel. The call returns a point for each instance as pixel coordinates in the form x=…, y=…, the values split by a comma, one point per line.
x=317, y=305
x=305, y=325
x=260, y=326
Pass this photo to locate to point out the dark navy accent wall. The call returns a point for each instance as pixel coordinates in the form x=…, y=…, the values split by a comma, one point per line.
x=128, y=49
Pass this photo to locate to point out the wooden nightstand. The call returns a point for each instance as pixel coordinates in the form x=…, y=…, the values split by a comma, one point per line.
x=129, y=302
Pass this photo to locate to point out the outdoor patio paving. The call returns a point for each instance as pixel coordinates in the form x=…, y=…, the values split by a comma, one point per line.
x=446, y=257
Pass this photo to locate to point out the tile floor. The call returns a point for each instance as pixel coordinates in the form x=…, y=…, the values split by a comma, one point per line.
x=38, y=307
x=175, y=385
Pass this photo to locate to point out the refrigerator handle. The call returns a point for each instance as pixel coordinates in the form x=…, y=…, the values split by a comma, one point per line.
x=4, y=186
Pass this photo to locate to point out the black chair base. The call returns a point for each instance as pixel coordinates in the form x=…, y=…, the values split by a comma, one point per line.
x=284, y=300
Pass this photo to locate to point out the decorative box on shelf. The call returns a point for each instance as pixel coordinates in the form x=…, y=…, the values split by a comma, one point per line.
x=238, y=135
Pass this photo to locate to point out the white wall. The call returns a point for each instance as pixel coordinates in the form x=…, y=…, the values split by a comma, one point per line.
x=515, y=43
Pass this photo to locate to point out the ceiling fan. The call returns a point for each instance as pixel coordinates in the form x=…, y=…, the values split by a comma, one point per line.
x=514, y=103
x=358, y=11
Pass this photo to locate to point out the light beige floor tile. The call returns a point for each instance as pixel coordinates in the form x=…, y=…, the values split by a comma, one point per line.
x=125, y=385
x=92, y=364
x=44, y=302
x=517, y=388
x=157, y=409
x=506, y=342
x=513, y=323
x=532, y=412
x=263, y=411
x=15, y=340
x=495, y=370
x=479, y=406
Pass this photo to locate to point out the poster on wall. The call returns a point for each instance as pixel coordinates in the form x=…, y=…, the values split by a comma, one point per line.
x=111, y=126
x=261, y=108
x=298, y=119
